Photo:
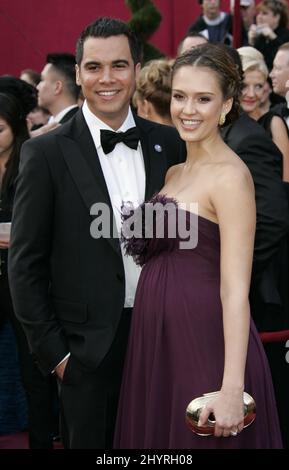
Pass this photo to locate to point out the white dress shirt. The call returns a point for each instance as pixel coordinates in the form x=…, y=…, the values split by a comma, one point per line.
x=124, y=174
x=59, y=116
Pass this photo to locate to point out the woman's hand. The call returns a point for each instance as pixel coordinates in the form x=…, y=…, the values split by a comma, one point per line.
x=266, y=31
x=252, y=34
x=228, y=409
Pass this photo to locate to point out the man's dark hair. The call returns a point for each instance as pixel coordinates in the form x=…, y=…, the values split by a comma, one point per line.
x=34, y=76
x=105, y=27
x=25, y=93
x=13, y=101
x=195, y=34
x=64, y=63
x=191, y=34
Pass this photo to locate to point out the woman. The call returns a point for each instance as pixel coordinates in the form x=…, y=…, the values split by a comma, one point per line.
x=13, y=132
x=191, y=329
x=17, y=99
x=153, y=92
x=271, y=29
x=254, y=82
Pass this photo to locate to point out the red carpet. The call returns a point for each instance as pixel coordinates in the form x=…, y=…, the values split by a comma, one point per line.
x=14, y=441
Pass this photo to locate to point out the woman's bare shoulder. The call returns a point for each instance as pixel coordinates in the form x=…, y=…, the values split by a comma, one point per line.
x=231, y=170
x=173, y=170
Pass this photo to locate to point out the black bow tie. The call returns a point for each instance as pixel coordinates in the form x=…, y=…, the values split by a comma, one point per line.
x=109, y=139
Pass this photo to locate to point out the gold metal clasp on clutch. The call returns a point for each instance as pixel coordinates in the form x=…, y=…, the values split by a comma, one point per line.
x=195, y=407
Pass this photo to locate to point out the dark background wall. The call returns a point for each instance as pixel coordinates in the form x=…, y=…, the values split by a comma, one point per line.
x=29, y=29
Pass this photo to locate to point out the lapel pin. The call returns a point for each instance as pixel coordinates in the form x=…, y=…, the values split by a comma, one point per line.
x=158, y=148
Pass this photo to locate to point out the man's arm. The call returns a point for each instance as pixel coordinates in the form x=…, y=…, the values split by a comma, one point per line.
x=29, y=257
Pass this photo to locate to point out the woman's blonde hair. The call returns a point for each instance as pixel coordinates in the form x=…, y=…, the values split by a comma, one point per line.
x=252, y=59
x=154, y=85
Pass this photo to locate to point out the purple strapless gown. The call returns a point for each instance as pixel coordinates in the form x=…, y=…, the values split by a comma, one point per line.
x=176, y=349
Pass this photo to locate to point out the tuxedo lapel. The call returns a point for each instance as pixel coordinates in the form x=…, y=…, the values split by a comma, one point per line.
x=83, y=163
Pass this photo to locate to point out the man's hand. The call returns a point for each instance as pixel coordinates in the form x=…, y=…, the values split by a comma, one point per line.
x=44, y=129
x=4, y=245
x=61, y=368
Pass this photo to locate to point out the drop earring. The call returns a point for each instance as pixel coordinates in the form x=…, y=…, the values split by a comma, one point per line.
x=222, y=119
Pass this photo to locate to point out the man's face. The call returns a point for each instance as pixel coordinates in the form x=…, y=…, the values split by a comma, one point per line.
x=248, y=15
x=287, y=91
x=211, y=8
x=191, y=41
x=47, y=87
x=107, y=76
x=280, y=72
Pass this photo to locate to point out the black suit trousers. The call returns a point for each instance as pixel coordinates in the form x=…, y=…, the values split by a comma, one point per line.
x=91, y=424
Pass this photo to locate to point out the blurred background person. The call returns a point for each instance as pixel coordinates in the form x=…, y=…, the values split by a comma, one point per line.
x=280, y=76
x=13, y=132
x=153, y=92
x=192, y=39
x=17, y=99
x=214, y=24
x=30, y=76
x=270, y=30
x=255, y=78
x=265, y=103
x=57, y=89
x=248, y=11
x=39, y=116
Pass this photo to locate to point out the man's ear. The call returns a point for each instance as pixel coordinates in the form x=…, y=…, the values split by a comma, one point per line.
x=58, y=87
x=137, y=69
x=77, y=75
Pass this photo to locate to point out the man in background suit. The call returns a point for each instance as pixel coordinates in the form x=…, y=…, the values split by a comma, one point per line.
x=72, y=292
x=57, y=89
x=264, y=160
x=280, y=78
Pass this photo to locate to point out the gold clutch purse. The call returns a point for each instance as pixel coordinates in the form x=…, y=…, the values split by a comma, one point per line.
x=195, y=407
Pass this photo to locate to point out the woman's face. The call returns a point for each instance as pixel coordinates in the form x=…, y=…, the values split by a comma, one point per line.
x=253, y=89
x=6, y=137
x=197, y=102
x=266, y=16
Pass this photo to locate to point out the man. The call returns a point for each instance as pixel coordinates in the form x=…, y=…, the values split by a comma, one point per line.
x=74, y=292
x=280, y=77
x=192, y=39
x=57, y=90
x=248, y=11
x=214, y=24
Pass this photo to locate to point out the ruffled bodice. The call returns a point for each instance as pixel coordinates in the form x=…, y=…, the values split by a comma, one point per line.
x=160, y=225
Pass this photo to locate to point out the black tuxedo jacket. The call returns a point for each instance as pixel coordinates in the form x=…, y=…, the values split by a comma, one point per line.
x=68, y=288
x=68, y=115
x=264, y=160
x=282, y=110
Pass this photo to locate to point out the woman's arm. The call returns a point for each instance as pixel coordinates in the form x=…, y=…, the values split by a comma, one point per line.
x=234, y=202
x=280, y=138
